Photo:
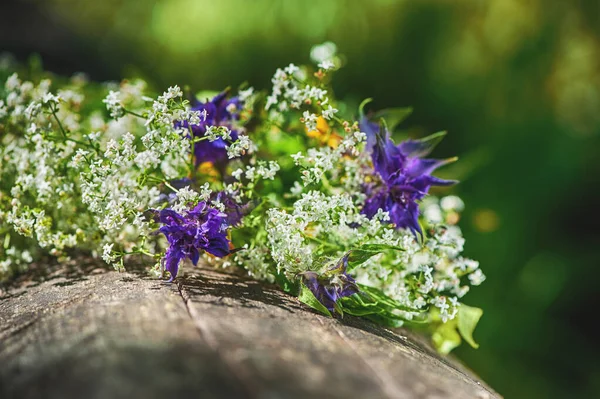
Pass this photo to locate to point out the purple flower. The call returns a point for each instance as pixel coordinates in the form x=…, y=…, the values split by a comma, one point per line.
x=201, y=229
x=332, y=285
x=220, y=111
x=405, y=175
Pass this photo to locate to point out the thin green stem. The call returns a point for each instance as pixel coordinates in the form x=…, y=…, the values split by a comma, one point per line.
x=62, y=129
x=133, y=113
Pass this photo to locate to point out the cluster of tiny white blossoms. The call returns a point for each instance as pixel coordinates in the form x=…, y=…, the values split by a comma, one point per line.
x=277, y=186
x=431, y=273
x=35, y=191
x=318, y=222
x=291, y=92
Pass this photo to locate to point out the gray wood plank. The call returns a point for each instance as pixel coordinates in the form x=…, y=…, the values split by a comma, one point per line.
x=86, y=332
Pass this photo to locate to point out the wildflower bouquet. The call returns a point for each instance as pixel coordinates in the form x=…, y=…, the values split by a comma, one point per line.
x=285, y=185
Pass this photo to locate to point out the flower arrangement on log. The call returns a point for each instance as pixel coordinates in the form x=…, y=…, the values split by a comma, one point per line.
x=292, y=185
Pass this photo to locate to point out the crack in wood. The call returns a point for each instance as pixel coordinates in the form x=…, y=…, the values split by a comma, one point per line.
x=210, y=340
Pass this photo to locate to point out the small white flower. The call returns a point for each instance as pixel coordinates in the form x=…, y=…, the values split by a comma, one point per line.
x=291, y=69
x=326, y=65
x=310, y=120
x=297, y=157
x=477, y=277
x=113, y=104
x=171, y=93
x=205, y=192
x=107, y=253
x=433, y=214
x=49, y=98
x=239, y=147
x=329, y=112
x=79, y=156
x=245, y=94
x=93, y=136
x=271, y=100
x=216, y=132
x=237, y=174
x=452, y=203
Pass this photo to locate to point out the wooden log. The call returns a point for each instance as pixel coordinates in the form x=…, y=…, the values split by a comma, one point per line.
x=96, y=333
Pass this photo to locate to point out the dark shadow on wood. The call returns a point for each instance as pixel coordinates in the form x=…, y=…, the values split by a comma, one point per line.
x=244, y=290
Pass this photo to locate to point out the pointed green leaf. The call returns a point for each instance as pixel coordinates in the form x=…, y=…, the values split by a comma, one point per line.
x=424, y=146
x=394, y=116
x=379, y=247
x=384, y=301
x=358, y=257
x=363, y=253
x=338, y=308
x=468, y=317
x=306, y=296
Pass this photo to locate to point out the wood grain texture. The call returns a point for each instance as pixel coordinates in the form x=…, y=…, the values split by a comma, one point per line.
x=101, y=334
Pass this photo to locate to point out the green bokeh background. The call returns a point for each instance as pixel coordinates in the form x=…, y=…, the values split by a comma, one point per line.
x=515, y=82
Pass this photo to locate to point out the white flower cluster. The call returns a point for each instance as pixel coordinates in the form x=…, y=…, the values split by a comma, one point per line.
x=290, y=93
x=317, y=222
x=255, y=260
x=319, y=161
x=126, y=172
x=31, y=165
x=66, y=187
x=433, y=273
x=240, y=147
x=262, y=170
x=113, y=104
x=213, y=133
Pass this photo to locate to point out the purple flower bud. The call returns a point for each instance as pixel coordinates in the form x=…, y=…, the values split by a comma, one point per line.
x=332, y=285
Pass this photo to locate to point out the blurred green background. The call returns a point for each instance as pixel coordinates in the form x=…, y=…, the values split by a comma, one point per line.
x=516, y=83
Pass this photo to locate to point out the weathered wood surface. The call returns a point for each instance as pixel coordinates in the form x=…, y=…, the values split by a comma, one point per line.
x=101, y=334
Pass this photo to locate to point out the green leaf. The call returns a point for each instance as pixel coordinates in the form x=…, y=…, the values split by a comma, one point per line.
x=446, y=338
x=286, y=285
x=358, y=311
x=379, y=247
x=424, y=146
x=363, y=253
x=358, y=257
x=381, y=299
x=394, y=116
x=468, y=317
x=306, y=296
x=356, y=306
x=338, y=308
x=387, y=320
